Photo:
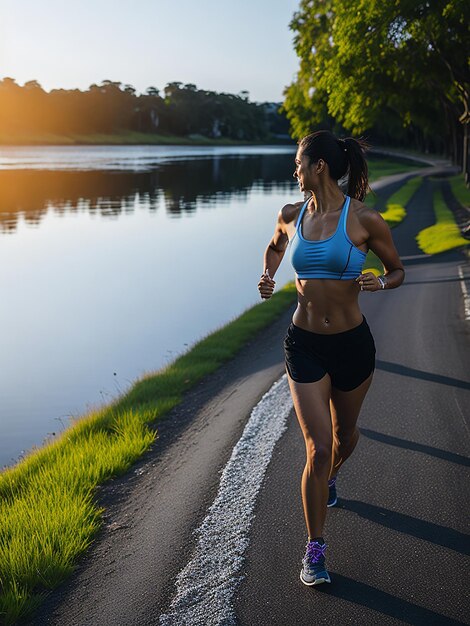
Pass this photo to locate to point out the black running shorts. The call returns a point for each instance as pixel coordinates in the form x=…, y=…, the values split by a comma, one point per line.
x=348, y=357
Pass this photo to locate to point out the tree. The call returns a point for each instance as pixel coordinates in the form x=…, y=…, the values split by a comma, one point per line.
x=33, y=84
x=152, y=91
x=406, y=57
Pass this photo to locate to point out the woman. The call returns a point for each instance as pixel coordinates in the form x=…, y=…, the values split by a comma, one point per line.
x=329, y=349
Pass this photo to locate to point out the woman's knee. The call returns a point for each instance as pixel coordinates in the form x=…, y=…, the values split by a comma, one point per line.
x=318, y=455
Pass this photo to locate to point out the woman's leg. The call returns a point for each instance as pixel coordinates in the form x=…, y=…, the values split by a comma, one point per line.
x=345, y=407
x=311, y=403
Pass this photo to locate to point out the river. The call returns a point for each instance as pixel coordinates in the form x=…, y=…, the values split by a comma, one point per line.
x=115, y=260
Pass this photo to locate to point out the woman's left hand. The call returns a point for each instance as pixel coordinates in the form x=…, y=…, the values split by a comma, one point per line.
x=368, y=282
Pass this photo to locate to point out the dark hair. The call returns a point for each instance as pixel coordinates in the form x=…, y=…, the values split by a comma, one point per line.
x=344, y=157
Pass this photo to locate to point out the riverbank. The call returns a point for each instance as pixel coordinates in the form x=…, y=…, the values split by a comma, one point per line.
x=48, y=514
x=134, y=138
x=129, y=138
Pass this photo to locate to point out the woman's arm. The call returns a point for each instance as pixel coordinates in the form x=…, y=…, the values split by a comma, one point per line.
x=273, y=256
x=380, y=241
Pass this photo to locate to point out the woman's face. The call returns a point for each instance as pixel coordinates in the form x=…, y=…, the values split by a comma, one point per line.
x=305, y=172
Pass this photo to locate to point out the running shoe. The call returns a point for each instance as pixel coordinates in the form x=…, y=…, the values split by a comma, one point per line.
x=314, y=571
x=332, y=498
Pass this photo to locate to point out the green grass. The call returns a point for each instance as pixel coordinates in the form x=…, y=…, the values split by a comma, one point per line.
x=48, y=511
x=460, y=190
x=380, y=167
x=394, y=214
x=444, y=234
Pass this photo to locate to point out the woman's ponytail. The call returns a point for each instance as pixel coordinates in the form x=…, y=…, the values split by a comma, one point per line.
x=358, y=172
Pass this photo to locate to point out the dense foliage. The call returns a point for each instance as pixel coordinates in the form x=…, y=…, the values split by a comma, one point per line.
x=112, y=107
x=397, y=70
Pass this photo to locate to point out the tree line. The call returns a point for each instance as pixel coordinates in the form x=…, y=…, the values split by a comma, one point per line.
x=397, y=71
x=111, y=107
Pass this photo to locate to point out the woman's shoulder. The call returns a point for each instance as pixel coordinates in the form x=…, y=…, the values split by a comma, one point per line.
x=290, y=212
x=369, y=218
x=361, y=209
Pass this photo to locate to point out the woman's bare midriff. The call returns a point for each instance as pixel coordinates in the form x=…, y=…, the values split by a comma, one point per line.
x=327, y=306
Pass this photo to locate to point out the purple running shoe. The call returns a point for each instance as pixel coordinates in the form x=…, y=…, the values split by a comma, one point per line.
x=314, y=571
x=332, y=498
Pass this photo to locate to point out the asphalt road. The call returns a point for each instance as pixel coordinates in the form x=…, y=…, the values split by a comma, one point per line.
x=398, y=552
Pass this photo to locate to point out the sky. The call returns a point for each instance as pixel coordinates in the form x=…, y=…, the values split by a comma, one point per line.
x=218, y=45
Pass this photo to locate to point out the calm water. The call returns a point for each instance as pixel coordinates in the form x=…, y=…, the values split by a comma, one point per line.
x=114, y=260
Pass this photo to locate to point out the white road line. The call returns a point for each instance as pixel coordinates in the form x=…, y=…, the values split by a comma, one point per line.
x=205, y=586
x=466, y=297
x=410, y=257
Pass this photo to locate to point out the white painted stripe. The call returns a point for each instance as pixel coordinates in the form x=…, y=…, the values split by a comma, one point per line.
x=414, y=256
x=466, y=297
x=205, y=586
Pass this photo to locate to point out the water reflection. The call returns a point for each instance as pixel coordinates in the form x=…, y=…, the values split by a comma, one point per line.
x=183, y=185
x=109, y=273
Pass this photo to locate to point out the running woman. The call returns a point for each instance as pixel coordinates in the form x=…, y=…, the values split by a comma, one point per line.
x=329, y=348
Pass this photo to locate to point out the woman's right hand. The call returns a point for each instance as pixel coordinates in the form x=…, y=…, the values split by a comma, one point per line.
x=266, y=285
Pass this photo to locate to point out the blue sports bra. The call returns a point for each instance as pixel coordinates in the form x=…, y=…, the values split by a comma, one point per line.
x=335, y=257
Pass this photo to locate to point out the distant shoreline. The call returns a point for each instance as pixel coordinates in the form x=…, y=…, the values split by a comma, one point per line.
x=130, y=138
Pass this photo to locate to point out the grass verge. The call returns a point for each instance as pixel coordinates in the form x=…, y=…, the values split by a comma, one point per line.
x=460, y=190
x=387, y=166
x=444, y=234
x=48, y=513
x=394, y=214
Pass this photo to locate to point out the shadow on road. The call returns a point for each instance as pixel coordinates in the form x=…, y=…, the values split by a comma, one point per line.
x=434, y=533
x=455, y=255
x=417, y=447
x=436, y=280
x=382, y=602
x=403, y=370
